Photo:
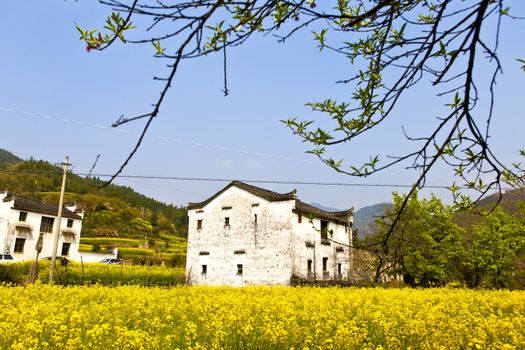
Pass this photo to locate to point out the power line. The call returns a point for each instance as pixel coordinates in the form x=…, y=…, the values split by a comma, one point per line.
x=260, y=181
x=160, y=137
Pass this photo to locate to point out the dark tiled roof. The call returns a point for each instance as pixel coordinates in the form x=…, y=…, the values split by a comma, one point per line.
x=300, y=207
x=340, y=217
x=35, y=206
x=261, y=192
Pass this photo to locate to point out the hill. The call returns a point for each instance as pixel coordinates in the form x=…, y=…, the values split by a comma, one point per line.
x=114, y=215
x=364, y=218
x=509, y=202
x=7, y=158
x=323, y=207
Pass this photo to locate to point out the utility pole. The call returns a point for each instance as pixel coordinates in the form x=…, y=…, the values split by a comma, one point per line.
x=59, y=219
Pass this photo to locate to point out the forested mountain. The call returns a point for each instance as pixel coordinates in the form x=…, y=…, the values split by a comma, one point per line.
x=114, y=215
x=7, y=158
x=510, y=202
x=365, y=217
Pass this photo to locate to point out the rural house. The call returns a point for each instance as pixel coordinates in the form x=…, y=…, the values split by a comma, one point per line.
x=246, y=235
x=26, y=224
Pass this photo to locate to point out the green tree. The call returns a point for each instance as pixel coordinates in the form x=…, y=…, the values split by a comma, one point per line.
x=422, y=245
x=392, y=46
x=490, y=253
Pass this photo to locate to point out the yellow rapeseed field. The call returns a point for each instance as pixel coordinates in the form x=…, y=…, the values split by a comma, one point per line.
x=130, y=317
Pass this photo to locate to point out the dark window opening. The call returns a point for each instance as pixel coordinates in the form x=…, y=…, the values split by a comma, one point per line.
x=339, y=269
x=46, y=225
x=227, y=221
x=204, y=269
x=310, y=265
x=19, y=245
x=324, y=229
x=239, y=269
x=204, y=253
x=226, y=208
x=325, y=264
x=65, y=249
x=22, y=216
x=255, y=219
x=299, y=218
x=199, y=224
x=69, y=223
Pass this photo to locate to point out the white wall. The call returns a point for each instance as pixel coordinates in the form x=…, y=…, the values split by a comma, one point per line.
x=266, y=245
x=90, y=257
x=270, y=251
x=11, y=228
x=308, y=246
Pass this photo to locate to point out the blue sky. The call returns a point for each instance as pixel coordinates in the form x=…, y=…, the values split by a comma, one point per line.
x=56, y=99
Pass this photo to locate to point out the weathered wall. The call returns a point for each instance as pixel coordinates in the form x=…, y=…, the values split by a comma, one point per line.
x=308, y=246
x=263, y=248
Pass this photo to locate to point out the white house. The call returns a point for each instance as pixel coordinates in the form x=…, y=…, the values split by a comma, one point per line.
x=26, y=224
x=246, y=235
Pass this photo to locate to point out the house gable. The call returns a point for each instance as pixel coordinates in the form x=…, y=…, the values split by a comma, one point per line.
x=257, y=191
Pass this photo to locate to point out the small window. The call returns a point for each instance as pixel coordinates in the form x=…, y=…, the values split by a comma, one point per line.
x=255, y=219
x=65, y=249
x=199, y=224
x=46, y=225
x=309, y=264
x=227, y=222
x=19, y=245
x=22, y=216
x=239, y=269
x=324, y=229
x=339, y=269
x=299, y=218
x=325, y=264
x=69, y=223
x=204, y=270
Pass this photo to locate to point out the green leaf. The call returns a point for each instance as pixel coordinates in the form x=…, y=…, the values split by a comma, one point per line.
x=523, y=62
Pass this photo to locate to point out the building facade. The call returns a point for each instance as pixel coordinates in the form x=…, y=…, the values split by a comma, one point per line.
x=27, y=225
x=246, y=235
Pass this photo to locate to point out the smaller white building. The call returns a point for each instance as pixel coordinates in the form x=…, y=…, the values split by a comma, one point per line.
x=246, y=235
x=27, y=225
